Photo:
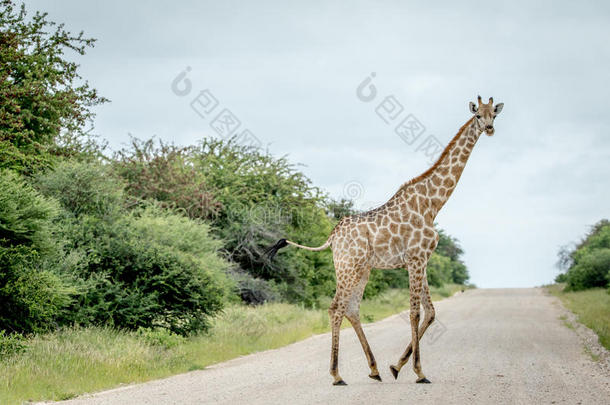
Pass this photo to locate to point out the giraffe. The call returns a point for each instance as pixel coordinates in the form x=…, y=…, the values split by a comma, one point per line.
x=398, y=234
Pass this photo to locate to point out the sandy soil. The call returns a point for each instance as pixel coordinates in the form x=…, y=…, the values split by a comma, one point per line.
x=490, y=346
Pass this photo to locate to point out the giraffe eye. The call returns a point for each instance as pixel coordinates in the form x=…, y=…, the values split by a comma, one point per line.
x=478, y=117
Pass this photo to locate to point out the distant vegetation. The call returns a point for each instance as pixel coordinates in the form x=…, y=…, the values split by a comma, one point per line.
x=584, y=282
x=587, y=263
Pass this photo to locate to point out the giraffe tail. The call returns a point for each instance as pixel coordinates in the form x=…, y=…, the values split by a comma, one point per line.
x=272, y=250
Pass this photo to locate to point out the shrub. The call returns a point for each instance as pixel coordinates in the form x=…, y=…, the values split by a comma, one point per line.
x=149, y=268
x=83, y=188
x=24, y=214
x=439, y=270
x=459, y=272
x=33, y=296
x=252, y=199
x=588, y=261
x=162, y=173
x=263, y=199
x=32, y=293
x=254, y=290
x=160, y=337
x=146, y=267
x=590, y=271
x=11, y=344
x=561, y=278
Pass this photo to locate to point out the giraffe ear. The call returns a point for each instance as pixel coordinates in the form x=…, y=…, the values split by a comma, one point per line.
x=473, y=108
x=499, y=108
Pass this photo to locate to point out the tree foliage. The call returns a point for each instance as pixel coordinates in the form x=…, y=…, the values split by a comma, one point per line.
x=251, y=198
x=41, y=91
x=588, y=263
x=31, y=290
x=142, y=267
x=164, y=174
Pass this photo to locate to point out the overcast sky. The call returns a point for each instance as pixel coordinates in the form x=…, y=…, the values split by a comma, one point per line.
x=289, y=71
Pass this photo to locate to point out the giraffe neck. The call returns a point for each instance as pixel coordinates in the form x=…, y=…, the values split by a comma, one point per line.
x=451, y=164
x=437, y=184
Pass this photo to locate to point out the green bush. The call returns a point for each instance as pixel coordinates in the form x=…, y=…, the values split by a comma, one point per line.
x=24, y=214
x=459, y=272
x=31, y=291
x=11, y=344
x=588, y=262
x=439, y=270
x=561, y=278
x=160, y=337
x=590, y=271
x=149, y=268
x=254, y=290
x=163, y=174
x=264, y=198
x=84, y=188
x=143, y=267
x=33, y=296
x=252, y=199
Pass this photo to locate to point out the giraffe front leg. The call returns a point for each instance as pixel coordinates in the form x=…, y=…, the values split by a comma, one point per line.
x=414, y=316
x=428, y=319
x=416, y=275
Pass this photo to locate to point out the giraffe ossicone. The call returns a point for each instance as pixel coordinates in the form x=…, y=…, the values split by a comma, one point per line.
x=398, y=234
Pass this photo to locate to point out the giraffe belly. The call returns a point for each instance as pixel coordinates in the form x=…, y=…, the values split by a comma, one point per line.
x=389, y=257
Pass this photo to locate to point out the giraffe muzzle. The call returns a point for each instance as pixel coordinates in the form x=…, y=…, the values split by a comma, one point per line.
x=489, y=130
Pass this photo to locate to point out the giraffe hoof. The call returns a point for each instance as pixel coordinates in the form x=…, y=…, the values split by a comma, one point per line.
x=375, y=377
x=394, y=371
x=340, y=382
x=423, y=381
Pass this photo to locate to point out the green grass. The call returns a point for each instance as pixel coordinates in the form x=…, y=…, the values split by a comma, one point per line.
x=566, y=322
x=592, y=308
x=70, y=362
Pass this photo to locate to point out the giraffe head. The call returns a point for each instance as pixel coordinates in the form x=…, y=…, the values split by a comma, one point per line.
x=485, y=114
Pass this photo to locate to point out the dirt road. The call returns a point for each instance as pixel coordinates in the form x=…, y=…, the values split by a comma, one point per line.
x=489, y=347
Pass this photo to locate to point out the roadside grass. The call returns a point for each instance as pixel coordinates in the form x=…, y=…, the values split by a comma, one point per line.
x=567, y=323
x=70, y=362
x=592, y=308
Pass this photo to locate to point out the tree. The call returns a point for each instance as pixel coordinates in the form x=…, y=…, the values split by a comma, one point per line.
x=586, y=264
x=448, y=245
x=163, y=173
x=44, y=104
x=338, y=209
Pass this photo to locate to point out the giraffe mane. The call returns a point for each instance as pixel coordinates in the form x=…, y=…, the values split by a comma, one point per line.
x=445, y=152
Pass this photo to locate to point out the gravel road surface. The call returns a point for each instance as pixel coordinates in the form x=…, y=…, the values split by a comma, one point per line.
x=490, y=346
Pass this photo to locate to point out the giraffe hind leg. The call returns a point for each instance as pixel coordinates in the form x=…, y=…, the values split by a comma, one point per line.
x=355, y=321
x=353, y=315
x=336, y=313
